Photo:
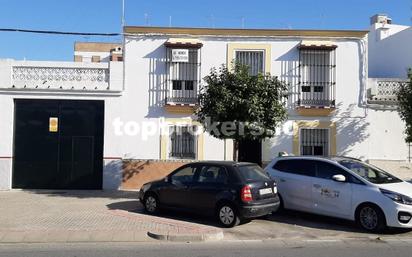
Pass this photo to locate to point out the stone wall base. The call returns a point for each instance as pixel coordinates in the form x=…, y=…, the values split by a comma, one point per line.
x=138, y=172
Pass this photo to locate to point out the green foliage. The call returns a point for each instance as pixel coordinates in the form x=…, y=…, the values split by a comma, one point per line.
x=405, y=106
x=237, y=105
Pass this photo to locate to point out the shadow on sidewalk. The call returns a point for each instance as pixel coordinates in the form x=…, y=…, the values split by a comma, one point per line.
x=325, y=223
x=84, y=194
x=293, y=218
x=136, y=207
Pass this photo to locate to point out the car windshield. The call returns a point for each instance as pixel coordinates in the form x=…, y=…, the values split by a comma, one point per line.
x=370, y=173
x=252, y=173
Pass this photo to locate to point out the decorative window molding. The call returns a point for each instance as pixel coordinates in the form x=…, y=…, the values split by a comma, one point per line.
x=232, y=48
x=166, y=147
x=297, y=135
x=183, y=73
x=317, y=76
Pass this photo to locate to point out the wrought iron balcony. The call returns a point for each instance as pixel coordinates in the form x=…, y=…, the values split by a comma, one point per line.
x=182, y=93
x=319, y=94
x=382, y=91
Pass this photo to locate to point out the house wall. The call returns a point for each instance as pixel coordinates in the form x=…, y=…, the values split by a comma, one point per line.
x=360, y=132
x=390, y=51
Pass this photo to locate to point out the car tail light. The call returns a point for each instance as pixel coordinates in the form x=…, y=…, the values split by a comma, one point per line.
x=246, y=194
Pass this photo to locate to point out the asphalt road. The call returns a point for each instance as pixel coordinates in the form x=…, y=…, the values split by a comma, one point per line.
x=227, y=249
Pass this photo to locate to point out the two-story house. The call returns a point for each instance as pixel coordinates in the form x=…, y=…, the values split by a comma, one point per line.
x=326, y=71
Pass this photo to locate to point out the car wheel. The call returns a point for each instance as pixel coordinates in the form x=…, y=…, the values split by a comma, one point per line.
x=151, y=204
x=371, y=218
x=227, y=216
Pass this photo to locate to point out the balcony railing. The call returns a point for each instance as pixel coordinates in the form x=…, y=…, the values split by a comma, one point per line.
x=382, y=91
x=62, y=76
x=320, y=94
x=182, y=93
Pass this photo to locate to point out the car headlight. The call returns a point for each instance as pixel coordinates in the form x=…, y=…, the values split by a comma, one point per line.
x=396, y=197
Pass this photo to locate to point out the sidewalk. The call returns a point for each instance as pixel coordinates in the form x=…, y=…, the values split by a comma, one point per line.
x=96, y=216
x=88, y=216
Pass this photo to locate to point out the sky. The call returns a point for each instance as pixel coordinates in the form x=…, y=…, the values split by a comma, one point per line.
x=105, y=16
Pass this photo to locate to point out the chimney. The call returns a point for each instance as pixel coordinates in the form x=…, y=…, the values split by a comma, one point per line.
x=116, y=54
x=380, y=18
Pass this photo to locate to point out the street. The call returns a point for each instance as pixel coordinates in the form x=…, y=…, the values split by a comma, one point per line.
x=238, y=249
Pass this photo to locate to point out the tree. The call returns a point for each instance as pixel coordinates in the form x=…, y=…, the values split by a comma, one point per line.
x=237, y=105
x=405, y=106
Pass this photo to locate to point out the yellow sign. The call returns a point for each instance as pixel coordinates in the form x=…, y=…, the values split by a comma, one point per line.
x=53, y=124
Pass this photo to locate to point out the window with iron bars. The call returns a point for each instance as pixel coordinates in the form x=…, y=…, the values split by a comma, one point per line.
x=314, y=142
x=183, y=77
x=254, y=59
x=317, y=68
x=183, y=142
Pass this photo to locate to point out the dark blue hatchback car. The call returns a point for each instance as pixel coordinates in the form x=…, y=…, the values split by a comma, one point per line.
x=231, y=191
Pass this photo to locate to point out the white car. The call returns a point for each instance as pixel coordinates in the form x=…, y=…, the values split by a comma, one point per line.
x=345, y=188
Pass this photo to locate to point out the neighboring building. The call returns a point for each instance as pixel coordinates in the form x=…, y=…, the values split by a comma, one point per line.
x=56, y=123
x=390, y=48
x=97, y=52
x=389, y=58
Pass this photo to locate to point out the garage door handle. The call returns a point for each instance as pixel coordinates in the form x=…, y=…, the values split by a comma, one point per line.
x=317, y=186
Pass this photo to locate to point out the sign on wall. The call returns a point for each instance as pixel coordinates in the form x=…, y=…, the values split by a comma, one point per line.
x=53, y=124
x=180, y=55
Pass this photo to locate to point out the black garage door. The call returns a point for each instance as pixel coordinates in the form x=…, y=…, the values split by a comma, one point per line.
x=58, y=144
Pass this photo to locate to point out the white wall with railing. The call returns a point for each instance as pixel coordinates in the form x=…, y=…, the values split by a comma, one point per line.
x=42, y=76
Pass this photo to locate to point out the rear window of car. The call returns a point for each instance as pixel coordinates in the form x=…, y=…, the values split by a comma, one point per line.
x=298, y=166
x=252, y=173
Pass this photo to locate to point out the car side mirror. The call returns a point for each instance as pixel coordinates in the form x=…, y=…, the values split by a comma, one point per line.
x=339, y=178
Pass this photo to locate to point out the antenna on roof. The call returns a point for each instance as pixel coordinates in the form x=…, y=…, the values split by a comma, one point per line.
x=212, y=20
x=170, y=20
x=123, y=21
x=146, y=19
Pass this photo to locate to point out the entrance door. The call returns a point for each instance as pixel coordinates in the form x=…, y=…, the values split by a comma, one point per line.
x=250, y=151
x=58, y=144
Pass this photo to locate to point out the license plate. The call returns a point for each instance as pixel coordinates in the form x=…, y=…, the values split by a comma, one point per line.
x=265, y=191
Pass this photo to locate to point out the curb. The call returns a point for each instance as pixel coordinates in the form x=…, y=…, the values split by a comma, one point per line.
x=187, y=237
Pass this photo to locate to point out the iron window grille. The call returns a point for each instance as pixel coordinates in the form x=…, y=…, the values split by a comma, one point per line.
x=183, y=142
x=183, y=78
x=314, y=142
x=317, y=77
x=253, y=59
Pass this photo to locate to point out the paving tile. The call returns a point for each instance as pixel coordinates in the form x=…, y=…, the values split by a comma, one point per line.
x=123, y=236
x=36, y=237
x=101, y=236
x=57, y=236
x=78, y=236
x=13, y=237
